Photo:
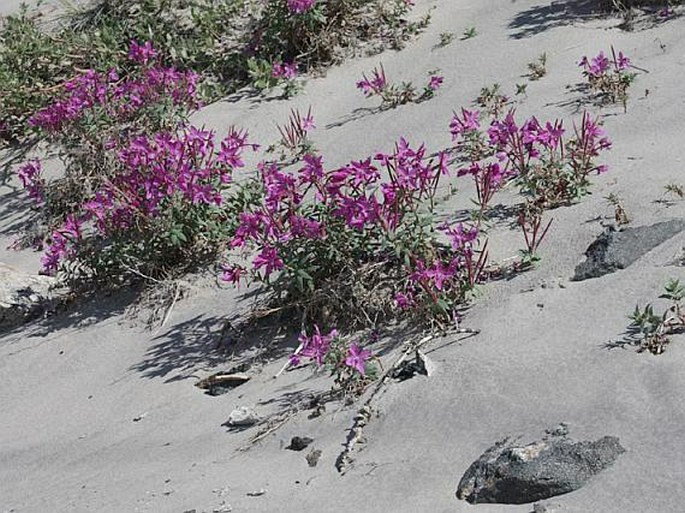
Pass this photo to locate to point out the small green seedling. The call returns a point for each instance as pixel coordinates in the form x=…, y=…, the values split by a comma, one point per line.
x=521, y=89
x=653, y=330
x=469, y=33
x=446, y=38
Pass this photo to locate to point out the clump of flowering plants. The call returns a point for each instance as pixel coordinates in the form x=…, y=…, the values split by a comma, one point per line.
x=162, y=208
x=393, y=95
x=97, y=112
x=142, y=193
x=549, y=168
x=352, y=366
x=610, y=78
x=359, y=243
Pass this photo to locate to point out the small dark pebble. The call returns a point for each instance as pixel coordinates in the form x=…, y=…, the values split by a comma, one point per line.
x=298, y=443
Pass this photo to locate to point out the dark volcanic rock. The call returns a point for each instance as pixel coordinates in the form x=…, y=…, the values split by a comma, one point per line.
x=513, y=474
x=299, y=443
x=410, y=368
x=615, y=250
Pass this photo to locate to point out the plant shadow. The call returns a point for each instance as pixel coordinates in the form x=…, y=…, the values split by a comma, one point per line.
x=499, y=214
x=205, y=342
x=581, y=97
x=559, y=13
x=633, y=337
x=14, y=154
x=92, y=307
x=356, y=115
x=14, y=208
x=550, y=15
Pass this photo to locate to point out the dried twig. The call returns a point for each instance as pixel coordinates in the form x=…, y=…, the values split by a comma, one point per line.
x=364, y=414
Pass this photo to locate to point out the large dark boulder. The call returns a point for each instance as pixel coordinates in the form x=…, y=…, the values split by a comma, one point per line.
x=509, y=473
x=614, y=250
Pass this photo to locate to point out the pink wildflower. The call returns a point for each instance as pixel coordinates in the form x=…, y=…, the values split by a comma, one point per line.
x=435, y=82
x=467, y=122
x=357, y=357
x=315, y=347
x=233, y=274
x=376, y=84
x=29, y=174
x=403, y=301
x=287, y=71
x=269, y=259
x=142, y=54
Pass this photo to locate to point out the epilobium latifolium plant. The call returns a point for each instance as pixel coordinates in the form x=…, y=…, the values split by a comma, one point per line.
x=37, y=57
x=140, y=194
x=315, y=31
x=548, y=168
x=446, y=38
x=652, y=331
x=492, y=101
x=162, y=208
x=393, y=95
x=362, y=241
x=96, y=112
x=228, y=43
x=609, y=78
x=356, y=243
x=531, y=224
x=295, y=134
x=350, y=364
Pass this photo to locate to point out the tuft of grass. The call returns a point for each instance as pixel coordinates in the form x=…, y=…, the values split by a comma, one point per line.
x=538, y=68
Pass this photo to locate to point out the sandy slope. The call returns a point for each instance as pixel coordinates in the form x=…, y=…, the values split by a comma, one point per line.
x=72, y=387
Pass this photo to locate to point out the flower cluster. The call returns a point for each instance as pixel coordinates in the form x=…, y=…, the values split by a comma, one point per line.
x=315, y=348
x=314, y=223
x=348, y=363
x=30, y=176
x=300, y=6
x=600, y=64
x=374, y=85
x=550, y=169
x=142, y=54
x=286, y=71
x=160, y=182
x=63, y=244
x=610, y=77
x=119, y=99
